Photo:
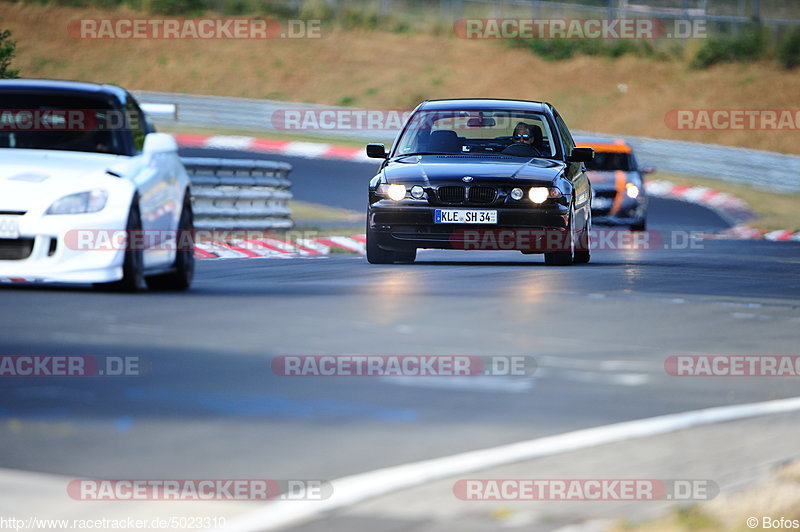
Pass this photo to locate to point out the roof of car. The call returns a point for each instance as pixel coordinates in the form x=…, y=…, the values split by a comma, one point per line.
x=65, y=86
x=604, y=144
x=484, y=103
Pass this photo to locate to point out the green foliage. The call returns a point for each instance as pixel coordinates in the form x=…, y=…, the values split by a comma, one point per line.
x=750, y=46
x=561, y=49
x=7, y=51
x=788, y=52
x=693, y=518
x=177, y=7
x=345, y=101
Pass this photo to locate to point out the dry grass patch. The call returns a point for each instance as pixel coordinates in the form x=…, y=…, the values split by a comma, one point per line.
x=627, y=96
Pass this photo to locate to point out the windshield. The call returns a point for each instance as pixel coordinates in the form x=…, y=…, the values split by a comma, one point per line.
x=477, y=132
x=60, y=122
x=610, y=161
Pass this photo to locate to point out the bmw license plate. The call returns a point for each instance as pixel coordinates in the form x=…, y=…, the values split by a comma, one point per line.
x=465, y=216
x=9, y=227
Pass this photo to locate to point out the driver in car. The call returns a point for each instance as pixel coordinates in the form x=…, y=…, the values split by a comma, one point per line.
x=523, y=142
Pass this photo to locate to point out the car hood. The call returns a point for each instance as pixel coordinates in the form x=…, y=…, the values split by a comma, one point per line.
x=441, y=169
x=29, y=178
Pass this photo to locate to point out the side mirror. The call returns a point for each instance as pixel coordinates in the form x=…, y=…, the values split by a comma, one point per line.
x=376, y=151
x=648, y=170
x=581, y=155
x=159, y=143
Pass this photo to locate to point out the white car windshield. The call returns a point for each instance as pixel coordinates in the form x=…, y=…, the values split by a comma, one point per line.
x=65, y=122
x=476, y=132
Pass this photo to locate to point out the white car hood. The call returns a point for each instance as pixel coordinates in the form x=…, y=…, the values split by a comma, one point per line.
x=29, y=178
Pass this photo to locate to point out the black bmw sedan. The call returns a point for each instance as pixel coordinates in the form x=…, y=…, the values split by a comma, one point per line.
x=481, y=174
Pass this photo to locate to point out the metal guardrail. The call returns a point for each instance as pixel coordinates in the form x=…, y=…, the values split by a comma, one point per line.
x=776, y=171
x=239, y=194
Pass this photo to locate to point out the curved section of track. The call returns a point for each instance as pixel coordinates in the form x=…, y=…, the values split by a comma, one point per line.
x=208, y=404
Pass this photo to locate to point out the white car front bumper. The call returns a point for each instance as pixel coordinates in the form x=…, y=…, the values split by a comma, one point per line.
x=56, y=255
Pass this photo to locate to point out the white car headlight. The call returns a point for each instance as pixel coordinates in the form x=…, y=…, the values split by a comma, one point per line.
x=395, y=191
x=538, y=194
x=80, y=203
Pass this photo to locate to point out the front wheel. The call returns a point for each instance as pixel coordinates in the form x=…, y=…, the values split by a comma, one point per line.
x=133, y=262
x=376, y=255
x=583, y=251
x=566, y=255
x=183, y=269
x=406, y=256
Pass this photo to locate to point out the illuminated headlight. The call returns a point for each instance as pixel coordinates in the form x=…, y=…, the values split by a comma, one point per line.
x=80, y=203
x=516, y=193
x=417, y=192
x=538, y=194
x=395, y=192
x=632, y=191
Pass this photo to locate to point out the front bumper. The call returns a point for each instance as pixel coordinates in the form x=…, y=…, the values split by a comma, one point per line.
x=57, y=256
x=630, y=212
x=398, y=227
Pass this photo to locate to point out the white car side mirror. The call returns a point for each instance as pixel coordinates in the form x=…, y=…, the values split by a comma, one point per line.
x=159, y=143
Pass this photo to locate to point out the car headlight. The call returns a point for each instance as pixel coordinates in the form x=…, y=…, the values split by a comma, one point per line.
x=395, y=192
x=417, y=192
x=540, y=194
x=632, y=191
x=80, y=203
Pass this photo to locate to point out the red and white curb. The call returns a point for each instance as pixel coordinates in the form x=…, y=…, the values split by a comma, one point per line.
x=727, y=205
x=730, y=207
x=309, y=150
x=277, y=248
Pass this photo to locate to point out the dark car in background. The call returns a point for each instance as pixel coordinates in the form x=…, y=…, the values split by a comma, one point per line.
x=450, y=181
x=618, y=184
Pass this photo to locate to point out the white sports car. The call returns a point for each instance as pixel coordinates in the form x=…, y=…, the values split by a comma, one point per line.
x=89, y=192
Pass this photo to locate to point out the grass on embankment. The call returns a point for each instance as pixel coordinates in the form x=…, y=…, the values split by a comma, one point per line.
x=776, y=498
x=383, y=70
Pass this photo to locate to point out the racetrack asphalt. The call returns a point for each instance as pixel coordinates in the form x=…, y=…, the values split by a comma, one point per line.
x=209, y=405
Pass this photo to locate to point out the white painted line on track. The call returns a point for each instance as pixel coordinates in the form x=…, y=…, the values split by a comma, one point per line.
x=360, y=487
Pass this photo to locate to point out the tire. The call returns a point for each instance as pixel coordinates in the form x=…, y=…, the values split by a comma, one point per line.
x=183, y=269
x=406, y=256
x=583, y=250
x=640, y=226
x=564, y=257
x=376, y=255
x=133, y=263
